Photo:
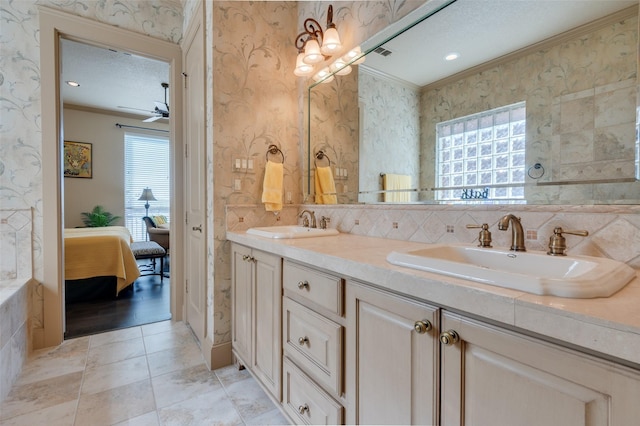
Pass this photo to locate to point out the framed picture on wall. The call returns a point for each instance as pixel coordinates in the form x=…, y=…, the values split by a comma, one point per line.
x=77, y=160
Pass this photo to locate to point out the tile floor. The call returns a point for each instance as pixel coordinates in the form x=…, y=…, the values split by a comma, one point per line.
x=148, y=375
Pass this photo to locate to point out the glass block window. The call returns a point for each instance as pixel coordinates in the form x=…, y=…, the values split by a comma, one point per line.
x=487, y=148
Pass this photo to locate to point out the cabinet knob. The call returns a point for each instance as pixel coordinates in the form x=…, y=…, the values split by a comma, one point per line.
x=245, y=257
x=423, y=326
x=303, y=408
x=303, y=340
x=449, y=337
x=303, y=284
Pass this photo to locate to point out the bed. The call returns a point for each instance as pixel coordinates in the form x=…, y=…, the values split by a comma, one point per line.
x=97, y=253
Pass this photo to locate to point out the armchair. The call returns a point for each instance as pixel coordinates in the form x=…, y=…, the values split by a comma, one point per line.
x=159, y=235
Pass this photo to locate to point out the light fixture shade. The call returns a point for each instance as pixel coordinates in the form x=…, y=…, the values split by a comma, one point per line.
x=340, y=67
x=312, y=53
x=324, y=76
x=147, y=195
x=330, y=41
x=355, y=53
x=302, y=69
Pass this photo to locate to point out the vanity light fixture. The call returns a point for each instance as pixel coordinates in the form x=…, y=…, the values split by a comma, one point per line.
x=315, y=45
x=324, y=76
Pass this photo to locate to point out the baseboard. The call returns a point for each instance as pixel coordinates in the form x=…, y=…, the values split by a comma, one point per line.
x=219, y=356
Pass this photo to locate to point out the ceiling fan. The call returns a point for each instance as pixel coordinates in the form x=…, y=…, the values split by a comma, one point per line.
x=161, y=109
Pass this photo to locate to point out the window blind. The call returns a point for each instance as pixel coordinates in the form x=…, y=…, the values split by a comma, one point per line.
x=146, y=165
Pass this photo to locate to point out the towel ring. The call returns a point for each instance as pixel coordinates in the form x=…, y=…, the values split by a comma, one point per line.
x=538, y=174
x=273, y=149
x=320, y=155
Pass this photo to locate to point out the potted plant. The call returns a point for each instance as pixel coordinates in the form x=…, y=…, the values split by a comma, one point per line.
x=98, y=217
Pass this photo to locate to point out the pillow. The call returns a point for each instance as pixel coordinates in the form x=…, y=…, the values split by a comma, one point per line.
x=159, y=220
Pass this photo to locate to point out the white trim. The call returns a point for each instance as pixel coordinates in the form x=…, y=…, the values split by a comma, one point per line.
x=53, y=25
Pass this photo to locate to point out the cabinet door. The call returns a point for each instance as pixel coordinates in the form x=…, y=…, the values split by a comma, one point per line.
x=392, y=369
x=241, y=283
x=493, y=376
x=267, y=352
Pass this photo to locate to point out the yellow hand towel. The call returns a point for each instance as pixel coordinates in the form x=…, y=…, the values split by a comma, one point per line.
x=325, y=186
x=395, y=182
x=272, y=186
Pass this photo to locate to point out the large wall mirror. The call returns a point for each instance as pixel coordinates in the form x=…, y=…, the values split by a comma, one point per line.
x=539, y=106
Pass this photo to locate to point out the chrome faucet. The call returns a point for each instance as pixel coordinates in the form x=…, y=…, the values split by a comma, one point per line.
x=305, y=221
x=517, y=233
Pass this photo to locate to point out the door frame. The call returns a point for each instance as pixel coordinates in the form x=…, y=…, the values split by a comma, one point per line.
x=54, y=25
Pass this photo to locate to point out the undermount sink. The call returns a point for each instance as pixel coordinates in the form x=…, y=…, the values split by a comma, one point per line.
x=291, y=231
x=532, y=271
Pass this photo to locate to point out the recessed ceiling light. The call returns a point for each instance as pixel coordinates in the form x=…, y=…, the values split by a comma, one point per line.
x=73, y=83
x=452, y=56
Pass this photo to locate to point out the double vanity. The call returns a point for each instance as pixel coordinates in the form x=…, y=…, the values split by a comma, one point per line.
x=341, y=328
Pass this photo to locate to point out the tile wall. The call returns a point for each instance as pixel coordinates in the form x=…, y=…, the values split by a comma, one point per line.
x=614, y=231
x=17, y=288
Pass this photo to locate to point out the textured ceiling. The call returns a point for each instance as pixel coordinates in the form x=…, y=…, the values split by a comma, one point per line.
x=110, y=79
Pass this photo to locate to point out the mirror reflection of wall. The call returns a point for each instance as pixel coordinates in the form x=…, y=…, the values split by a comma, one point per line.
x=580, y=95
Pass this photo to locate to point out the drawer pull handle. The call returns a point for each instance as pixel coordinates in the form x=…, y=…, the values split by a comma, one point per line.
x=303, y=408
x=449, y=337
x=423, y=326
x=303, y=284
x=303, y=340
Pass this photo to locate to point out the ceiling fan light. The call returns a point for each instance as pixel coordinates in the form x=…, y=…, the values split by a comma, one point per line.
x=302, y=69
x=312, y=53
x=331, y=41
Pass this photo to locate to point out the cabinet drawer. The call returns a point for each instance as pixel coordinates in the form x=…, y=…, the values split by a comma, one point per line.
x=314, y=343
x=305, y=402
x=323, y=289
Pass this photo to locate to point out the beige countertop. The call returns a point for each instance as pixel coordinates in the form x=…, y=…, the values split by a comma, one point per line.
x=610, y=326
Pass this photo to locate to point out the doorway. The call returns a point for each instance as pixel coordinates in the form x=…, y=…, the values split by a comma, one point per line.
x=54, y=26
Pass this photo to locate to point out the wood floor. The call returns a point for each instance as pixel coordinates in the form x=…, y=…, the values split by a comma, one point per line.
x=147, y=301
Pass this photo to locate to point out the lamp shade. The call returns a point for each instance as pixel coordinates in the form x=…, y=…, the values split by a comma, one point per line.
x=324, y=76
x=302, y=69
x=330, y=42
x=312, y=53
x=147, y=195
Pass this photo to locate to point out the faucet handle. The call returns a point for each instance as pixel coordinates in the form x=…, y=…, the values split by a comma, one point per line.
x=557, y=242
x=305, y=222
x=484, y=237
x=324, y=221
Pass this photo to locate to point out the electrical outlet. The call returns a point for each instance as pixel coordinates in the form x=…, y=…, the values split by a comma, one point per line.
x=237, y=185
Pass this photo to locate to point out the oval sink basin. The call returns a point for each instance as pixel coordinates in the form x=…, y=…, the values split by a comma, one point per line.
x=291, y=231
x=532, y=271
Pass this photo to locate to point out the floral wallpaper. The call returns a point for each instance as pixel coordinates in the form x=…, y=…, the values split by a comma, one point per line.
x=391, y=124
x=254, y=106
x=334, y=130
x=580, y=119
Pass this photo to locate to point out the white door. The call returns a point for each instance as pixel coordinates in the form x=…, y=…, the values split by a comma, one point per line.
x=195, y=188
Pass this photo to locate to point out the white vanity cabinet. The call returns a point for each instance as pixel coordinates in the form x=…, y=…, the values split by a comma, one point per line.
x=494, y=376
x=256, y=311
x=392, y=358
x=312, y=339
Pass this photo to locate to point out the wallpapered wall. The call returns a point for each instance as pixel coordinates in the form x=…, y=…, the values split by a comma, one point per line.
x=581, y=98
x=391, y=127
